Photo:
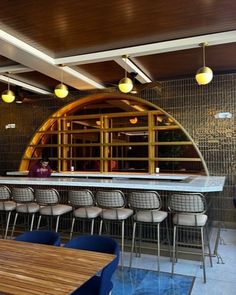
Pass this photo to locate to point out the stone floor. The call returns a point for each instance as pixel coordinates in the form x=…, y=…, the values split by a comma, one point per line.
x=221, y=278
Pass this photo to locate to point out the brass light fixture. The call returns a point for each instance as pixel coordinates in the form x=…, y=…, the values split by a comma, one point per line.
x=8, y=96
x=61, y=89
x=133, y=120
x=204, y=75
x=125, y=85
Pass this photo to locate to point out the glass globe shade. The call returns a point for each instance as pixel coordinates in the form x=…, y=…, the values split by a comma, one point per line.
x=125, y=85
x=61, y=91
x=8, y=96
x=204, y=76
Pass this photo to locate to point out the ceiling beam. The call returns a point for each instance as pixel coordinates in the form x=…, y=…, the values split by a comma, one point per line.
x=21, y=52
x=148, y=49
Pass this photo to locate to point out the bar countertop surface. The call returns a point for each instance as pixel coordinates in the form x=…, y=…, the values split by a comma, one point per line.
x=164, y=182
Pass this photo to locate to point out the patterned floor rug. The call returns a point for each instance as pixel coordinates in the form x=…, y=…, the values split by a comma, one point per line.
x=136, y=281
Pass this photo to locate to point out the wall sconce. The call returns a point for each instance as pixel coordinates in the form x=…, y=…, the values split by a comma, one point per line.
x=204, y=75
x=125, y=85
x=61, y=89
x=223, y=115
x=133, y=120
x=8, y=96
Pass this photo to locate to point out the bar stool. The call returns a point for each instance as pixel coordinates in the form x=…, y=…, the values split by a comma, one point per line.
x=113, y=204
x=189, y=213
x=25, y=204
x=147, y=205
x=48, y=199
x=6, y=205
x=83, y=204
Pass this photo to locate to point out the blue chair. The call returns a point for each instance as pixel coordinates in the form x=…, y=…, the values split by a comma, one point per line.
x=98, y=284
x=40, y=237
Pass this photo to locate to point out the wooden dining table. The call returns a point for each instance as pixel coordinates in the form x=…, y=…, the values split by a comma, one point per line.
x=27, y=268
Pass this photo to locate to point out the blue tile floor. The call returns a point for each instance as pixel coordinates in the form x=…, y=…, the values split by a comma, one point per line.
x=136, y=281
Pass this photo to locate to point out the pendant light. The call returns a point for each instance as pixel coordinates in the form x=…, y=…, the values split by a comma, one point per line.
x=8, y=96
x=125, y=85
x=204, y=75
x=61, y=89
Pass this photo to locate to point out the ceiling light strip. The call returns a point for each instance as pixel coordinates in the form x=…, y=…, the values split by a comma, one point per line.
x=137, y=70
x=40, y=55
x=82, y=77
x=25, y=47
x=24, y=85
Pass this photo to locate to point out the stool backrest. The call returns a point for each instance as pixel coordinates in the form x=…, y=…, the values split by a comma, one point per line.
x=47, y=196
x=110, y=199
x=23, y=194
x=5, y=193
x=144, y=200
x=81, y=198
x=187, y=203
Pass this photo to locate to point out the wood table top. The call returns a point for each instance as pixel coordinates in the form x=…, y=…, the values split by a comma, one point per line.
x=27, y=268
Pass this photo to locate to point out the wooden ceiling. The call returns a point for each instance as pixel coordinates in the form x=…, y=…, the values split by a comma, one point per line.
x=90, y=37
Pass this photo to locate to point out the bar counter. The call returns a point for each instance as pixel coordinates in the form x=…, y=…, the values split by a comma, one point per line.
x=163, y=182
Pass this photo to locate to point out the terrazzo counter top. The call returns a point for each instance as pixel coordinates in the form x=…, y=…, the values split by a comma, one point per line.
x=185, y=184
x=155, y=176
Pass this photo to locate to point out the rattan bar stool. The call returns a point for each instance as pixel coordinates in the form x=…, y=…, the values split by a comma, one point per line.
x=147, y=205
x=113, y=204
x=189, y=212
x=7, y=206
x=25, y=204
x=83, y=203
x=49, y=199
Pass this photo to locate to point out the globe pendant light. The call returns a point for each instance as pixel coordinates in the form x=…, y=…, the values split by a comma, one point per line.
x=125, y=85
x=204, y=75
x=8, y=96
x=61, y=89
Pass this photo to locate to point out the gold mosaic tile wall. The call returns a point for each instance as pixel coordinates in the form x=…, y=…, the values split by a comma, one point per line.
x=194, y=107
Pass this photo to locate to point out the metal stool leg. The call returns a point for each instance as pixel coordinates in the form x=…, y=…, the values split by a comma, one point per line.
x=203, y=254
x=57, y=223
x=173, y=254
x=122, y=241
x=14, y=224
x=158, y=247
x=100, y=227
x=92, y=226
x=72, y=227
x=7, y=225
x=132, y=245
x=32, y=222
x=39, y=221
x=209, y=246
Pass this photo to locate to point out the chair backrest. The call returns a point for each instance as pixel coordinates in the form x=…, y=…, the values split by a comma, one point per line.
x=81, y=198
x=187, y=203
x=99, y=244
x=144, y=200
x=110, y=199
x=23, y=194
x=40, y=237
x=5, y=193
x=47, y=196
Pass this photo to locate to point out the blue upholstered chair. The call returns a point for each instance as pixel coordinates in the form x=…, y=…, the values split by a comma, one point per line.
x=98, y=284
x=40, y=237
